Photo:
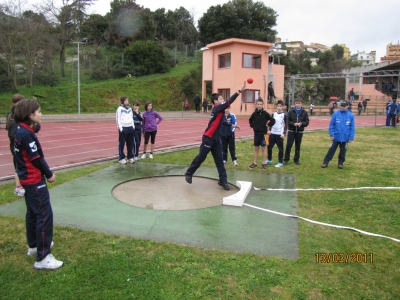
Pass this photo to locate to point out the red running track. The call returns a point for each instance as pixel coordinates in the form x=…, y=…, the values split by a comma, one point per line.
x=69, y=143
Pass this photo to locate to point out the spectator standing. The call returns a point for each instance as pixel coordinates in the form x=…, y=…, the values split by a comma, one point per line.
x=311, y=108
x=197, y=101
x=359, y=107
x=271, y=92
x=259, y=120
x=137, y=121
x=330, y=108
x=297, y=119
x=341, y=131
x=32, y=171
x=351, y=95
x=205, y=105
x=126, y=127
x=277, y=134
x=391, y=113
x=364, y=103
x=228, y=136
x=11, y=127
x=151, y=120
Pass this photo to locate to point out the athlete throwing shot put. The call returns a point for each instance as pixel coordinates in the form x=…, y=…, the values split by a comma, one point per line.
x=211, y=140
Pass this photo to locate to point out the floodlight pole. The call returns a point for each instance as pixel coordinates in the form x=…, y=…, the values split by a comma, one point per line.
x=79, y=86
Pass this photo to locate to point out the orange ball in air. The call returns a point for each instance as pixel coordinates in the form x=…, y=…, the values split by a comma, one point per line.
x=250, y=80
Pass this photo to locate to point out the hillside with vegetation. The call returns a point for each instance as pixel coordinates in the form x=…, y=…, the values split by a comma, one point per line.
x=167, y=91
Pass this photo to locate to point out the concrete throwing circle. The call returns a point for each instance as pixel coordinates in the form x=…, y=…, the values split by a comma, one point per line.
x=172, y=193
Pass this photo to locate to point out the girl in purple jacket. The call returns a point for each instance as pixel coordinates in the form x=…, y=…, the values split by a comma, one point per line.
x=150, y=122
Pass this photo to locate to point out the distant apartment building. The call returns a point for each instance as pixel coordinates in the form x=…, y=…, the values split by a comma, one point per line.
x=364, y=57
x=319, y=47
x=346, y=51
x=392, y=52
x=295, y=47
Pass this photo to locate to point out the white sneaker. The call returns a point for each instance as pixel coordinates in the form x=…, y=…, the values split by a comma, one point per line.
x=268, y=162
x=19, y=191
x=235, y=163
x=224, y=161
x=151, y=156
x=143, y=156
x=123, y=161
x=49, y=262
x=132, y=160
x=136, y=158
x=33, y=251
x=278, y=165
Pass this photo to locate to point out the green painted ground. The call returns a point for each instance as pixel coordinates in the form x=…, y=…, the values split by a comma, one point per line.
x=87, y=203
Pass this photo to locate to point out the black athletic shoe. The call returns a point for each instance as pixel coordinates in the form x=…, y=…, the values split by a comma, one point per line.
x=224, y=185
x=188, y=178
x=297, y=162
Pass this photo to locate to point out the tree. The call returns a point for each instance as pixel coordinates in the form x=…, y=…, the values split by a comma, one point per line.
x=123, y=22
x=94, y=28
x=147, y=56
x=67, y=19
x=238, y=19
x=338, y=51
x=35, y=40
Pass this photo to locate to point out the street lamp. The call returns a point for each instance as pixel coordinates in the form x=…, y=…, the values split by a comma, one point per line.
x=79, y=85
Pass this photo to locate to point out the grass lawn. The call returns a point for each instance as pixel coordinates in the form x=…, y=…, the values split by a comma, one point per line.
x=101, y=266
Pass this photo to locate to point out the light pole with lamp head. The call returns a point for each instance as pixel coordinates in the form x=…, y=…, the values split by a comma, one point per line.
x=79, y=85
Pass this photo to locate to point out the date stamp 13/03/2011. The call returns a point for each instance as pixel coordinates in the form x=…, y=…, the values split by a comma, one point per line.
x=344, y=258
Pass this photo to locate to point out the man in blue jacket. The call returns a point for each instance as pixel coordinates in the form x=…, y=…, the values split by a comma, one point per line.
x=341, y=130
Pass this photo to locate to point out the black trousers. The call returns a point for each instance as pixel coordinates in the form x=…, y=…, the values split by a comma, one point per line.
x=275, y=139
x=332, y=150
x=137, y=138
x=209, y=145
x=293, y=137
x=39, y=218
x=228, y=142
x=127, y=136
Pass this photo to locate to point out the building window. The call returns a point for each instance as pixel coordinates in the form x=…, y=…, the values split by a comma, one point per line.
x=251, y=96
x=224, y=60
x=226, y=93
x=252, y=61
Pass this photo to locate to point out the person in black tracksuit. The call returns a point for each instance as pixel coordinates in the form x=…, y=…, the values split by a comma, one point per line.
x=211, y=140
x=137, y=121
x=297, y=121
x=32, y=172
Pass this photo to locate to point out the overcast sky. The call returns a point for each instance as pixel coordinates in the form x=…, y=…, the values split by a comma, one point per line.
x=361, y=25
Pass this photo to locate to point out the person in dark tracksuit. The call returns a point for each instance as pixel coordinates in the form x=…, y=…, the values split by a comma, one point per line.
x=211, y=140
x=228, y=136
x=137, y=121
x=297, y=119
x=32, y=170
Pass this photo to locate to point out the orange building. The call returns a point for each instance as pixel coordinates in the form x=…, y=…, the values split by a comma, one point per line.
x=228, y=63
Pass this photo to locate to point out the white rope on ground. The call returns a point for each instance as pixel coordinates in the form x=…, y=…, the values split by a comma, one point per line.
x=332, y=189
x=321, y=223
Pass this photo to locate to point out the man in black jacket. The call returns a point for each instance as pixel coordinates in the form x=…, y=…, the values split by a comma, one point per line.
x=297, y=120
x=197, y=103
